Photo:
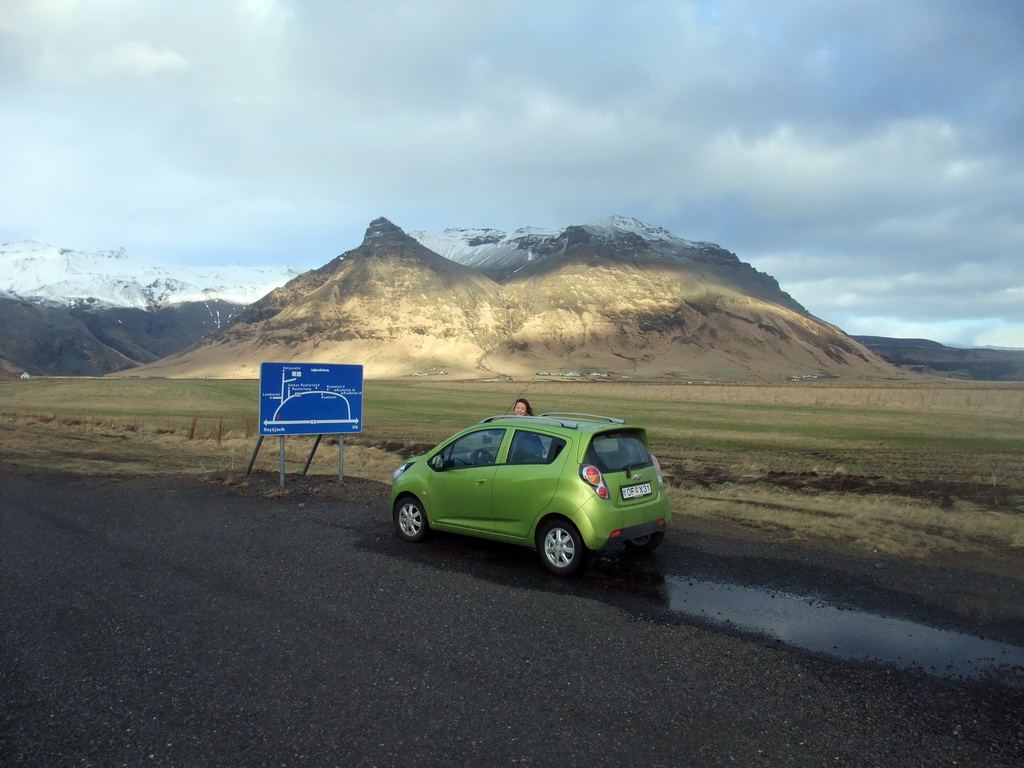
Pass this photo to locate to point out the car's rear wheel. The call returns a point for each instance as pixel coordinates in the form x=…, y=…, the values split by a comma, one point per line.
x=410, y=519
x=647, y=543
x=561, y=547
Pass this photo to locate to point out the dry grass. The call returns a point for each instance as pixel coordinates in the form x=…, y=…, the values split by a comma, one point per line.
x=980, y=398
x=894, y=525
x=910, y=472
x=90, y=446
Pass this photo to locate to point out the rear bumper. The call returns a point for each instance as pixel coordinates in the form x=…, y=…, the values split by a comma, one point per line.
x=635, y=531
x=600, y=523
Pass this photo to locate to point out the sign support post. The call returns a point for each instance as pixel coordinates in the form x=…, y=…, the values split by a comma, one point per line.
x=312, y=451
x=255, y=450
x=281, y=459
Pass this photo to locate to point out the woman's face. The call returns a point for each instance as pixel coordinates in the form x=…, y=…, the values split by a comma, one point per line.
x=520, y=409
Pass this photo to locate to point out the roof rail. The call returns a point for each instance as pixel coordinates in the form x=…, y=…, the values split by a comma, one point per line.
x=558, y=419
x=538, y=419
x=586, y=416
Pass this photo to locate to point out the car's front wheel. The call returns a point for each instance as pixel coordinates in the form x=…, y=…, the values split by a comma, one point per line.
x=561, y=547
x=647, y=543
x=410, y=519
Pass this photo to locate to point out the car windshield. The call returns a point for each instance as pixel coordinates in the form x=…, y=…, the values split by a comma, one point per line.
x=615, y=451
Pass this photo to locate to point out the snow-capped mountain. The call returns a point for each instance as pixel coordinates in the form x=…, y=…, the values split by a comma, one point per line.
x=614, y=297
x=501, y=254
x=46, y=274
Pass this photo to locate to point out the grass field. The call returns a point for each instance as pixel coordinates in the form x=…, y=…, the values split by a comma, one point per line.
x=907, y=470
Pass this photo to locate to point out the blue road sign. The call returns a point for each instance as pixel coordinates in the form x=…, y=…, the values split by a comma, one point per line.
x=310, y=399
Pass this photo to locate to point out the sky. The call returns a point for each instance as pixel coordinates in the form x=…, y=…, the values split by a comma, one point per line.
x=868, y=154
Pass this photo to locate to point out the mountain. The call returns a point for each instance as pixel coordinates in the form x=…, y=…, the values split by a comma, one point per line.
x=930, y=357
x=502, y=256
x=51, y=341
x=68, y=312
x=616, y=296
x=391, y=305
x=46, y=274
x=619, y=295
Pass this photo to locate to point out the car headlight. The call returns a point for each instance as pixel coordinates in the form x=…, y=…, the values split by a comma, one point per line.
x=398, y=472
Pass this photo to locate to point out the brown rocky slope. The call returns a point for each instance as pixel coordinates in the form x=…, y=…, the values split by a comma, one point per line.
x=625, y=308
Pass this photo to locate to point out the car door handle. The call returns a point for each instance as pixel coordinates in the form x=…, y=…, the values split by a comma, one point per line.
x=480, y=482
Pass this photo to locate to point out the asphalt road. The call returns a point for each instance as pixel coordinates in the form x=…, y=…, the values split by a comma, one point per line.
x=181, y=623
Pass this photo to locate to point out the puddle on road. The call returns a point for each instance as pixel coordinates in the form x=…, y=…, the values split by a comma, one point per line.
x=849, y=634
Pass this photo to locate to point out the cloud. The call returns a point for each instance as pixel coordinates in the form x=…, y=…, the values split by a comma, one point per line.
x=137, y=58
x=843, y=147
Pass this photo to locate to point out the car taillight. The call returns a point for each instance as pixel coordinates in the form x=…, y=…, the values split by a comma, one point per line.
x=657, y=468
x=592, y=475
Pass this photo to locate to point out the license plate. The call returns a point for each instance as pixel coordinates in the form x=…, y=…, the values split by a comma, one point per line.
x=636, y=491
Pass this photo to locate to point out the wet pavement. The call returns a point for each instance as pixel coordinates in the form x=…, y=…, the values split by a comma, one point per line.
x=801, y=619
x=848, y=633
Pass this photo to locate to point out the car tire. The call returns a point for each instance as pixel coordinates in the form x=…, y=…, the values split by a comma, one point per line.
x=410, y=519
x=561, y=547
x=647, y=543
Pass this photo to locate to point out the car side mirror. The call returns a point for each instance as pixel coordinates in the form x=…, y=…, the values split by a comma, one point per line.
x=438, y=463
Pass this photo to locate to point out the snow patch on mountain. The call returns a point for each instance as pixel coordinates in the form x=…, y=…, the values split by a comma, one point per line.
x=488, y=249
x=497, y=252
x=613, y=226
x=44, y=273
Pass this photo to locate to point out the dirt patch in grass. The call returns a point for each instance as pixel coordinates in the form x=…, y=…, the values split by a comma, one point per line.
x=944, y=493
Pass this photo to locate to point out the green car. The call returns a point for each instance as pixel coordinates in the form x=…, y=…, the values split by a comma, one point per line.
x=564, y=484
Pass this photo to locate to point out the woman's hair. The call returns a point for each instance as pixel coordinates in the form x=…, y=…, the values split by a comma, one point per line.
x=524, y=401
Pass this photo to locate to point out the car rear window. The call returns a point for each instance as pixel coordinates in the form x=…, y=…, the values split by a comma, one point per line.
x=614, y=451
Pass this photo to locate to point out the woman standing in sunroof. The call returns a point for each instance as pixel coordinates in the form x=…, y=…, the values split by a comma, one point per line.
x=522, y=407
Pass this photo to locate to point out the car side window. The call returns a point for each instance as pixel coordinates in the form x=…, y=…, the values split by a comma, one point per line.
x=477, y=449
x=533, y=448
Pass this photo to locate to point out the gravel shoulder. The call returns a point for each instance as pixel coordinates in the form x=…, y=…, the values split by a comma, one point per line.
x=217, y=620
